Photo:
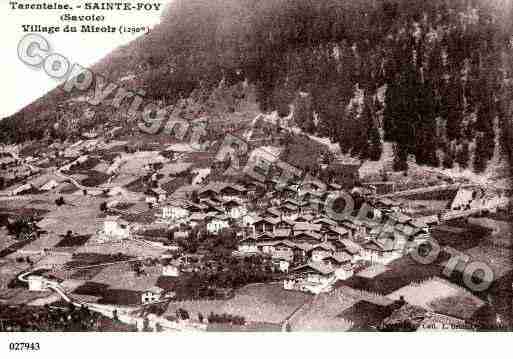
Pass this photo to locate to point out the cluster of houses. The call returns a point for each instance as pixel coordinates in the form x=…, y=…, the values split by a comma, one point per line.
x=296, y=233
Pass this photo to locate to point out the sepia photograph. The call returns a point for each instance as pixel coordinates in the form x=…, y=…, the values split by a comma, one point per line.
x=326, y=166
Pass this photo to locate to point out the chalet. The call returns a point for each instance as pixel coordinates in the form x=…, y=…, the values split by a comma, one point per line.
x=463, y=199
x=217, y=223
x=314, y=206
x=114, y=229
x=196, y=207
x=308, y=237
x=300, y=227
x=175, y=210
x=37, y=283
x=207, y=192
x=313, y=277
x=234, y=208
x=318, y=252
x=289, y=210
x=270, y=247
x=341, y=264
x=336, y=233
x=152, y=295
x=283, y=223
x=225, y=190
x=248, y=245
x=384, y=249
x=290, y=191
x=281, y=233
x=248, y=219
x=281, y=262
x=273, y=212
x=209, y=203
x=231, y=190
x=325, y=223
x=265, y=237
x=347, y=246
x=48, y=186
x=171, y=269
x=22, y=189
x=354, y=227
x=388, y=205
x=303, y=217
x=337, y=259
x=310, y=195
x=261, y=225
x=197, y=218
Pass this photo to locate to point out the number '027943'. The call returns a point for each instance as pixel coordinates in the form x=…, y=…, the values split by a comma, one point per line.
x=19, y=346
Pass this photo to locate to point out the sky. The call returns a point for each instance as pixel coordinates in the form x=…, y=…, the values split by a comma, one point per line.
x=20, y=84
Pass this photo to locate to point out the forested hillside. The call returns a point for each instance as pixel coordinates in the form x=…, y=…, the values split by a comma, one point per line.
x=434, y=77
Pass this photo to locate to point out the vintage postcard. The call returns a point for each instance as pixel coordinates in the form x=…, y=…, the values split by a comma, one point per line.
x=255, y=166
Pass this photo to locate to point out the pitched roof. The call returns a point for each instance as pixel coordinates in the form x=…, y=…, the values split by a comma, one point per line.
x=317, y=267
x=197, y=216
x=313, y=235
x=325, y=220
x=282, y=232
x=274, y=211
x=350, y=246
x=306, y=227
x=340, y=257
x=324, y=245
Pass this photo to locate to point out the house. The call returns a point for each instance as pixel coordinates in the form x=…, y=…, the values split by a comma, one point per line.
x=207, y=192
x=308, y=237
x=341, y=263
x=336, y=233
x=303, y=217
x=22, y=189
x=273, y=212
x=153, y=195
x=248, y=219
x=312, y=277
x=281, y=233
x=314, y=206
x=300, y=227
x=326, y=223
x=464, y=198
x=320, y=251
x=248, y=246
x=36, y=283
x=171, y=270
x=289, y=210
x=114, y=229
x=48, y=186
x=197, y=218
x=230, y=190
x=152, y=295
x=262, y=225
x=217, y=223
x=388, y=205
x=195, y=207
x=225, y=190
x=384, y=249
x=284, y=223
x=174, y=211
x=234, y=208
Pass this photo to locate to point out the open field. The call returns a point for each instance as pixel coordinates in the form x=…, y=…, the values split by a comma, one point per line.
x=337, y=310
x=262, y=303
